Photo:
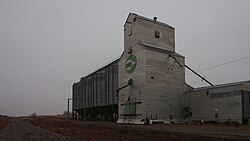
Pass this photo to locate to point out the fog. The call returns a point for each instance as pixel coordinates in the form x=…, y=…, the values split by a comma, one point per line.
x=47, y=45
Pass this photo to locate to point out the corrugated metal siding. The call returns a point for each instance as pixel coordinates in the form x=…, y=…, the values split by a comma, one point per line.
x=97, y=89
x=204, y=105
x=246, y=104
x=115, y=85
x=74, y=96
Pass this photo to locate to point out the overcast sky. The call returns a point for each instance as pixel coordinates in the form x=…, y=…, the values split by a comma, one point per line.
x=47, y=45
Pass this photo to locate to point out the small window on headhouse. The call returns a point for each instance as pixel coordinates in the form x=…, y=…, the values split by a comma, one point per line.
x=129, y=50
x=157, y=34
x=130, y=32
x=135, y=19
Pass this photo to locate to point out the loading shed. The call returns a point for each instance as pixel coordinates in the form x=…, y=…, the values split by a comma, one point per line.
x=225, y=102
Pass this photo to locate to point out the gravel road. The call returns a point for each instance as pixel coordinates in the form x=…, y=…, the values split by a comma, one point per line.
x=17, y=130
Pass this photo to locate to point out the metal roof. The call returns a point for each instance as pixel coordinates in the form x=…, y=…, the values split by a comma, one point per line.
x=148, y=19
x=116, y=60
x=219, y=86
x=159, y=49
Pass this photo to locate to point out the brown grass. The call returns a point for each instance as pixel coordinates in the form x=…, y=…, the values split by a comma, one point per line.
x=106, y=131
x=3, y=121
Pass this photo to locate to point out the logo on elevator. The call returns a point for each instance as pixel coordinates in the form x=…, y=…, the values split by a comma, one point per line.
x=131, y=63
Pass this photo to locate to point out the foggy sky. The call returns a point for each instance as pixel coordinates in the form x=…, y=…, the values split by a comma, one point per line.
x=47, y=45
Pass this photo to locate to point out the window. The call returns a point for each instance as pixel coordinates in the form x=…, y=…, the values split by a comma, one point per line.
x=129, y=50
x=135, y=19
x=216, y=115
x=130, y=32
x=225, y=94
x=157, y=34
x=207, y=93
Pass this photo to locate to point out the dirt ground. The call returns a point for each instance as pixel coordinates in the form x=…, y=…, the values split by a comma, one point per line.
x=108, y=131
x=17, y=130
x=3, y=121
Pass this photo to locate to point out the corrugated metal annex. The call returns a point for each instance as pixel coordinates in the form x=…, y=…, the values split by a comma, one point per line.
x=94, y=96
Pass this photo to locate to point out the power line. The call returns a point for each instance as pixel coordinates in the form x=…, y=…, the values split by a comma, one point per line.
x=223, y=64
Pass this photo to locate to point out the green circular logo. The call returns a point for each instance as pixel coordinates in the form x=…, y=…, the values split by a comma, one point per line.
x=131, y=63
